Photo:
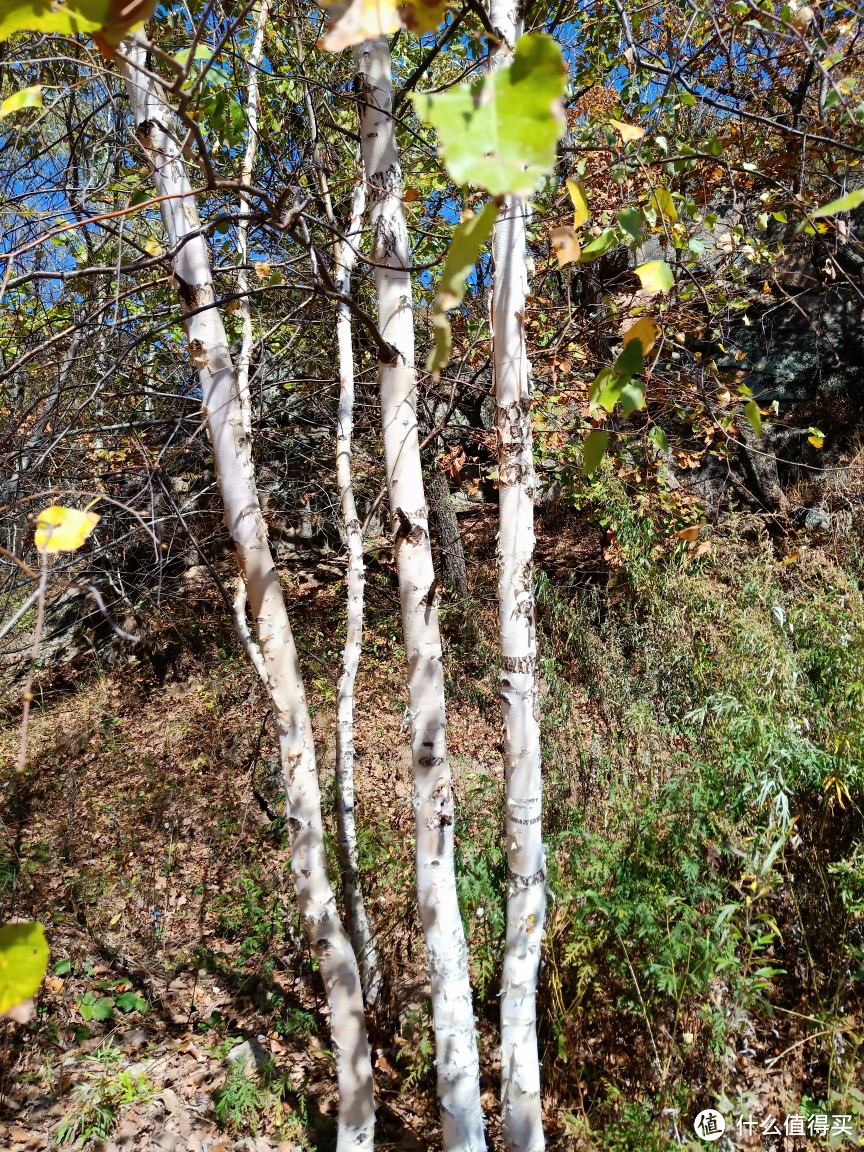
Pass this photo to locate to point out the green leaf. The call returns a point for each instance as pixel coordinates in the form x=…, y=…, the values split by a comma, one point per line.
x=632, y=396
x=599, y=246
x=130, y=1002
x=687, y=99
x=465, y=247
x=93, y=1008
x=655, y=276
x=754, y=416
x=606, y=389
x=632, y=221
x=630, y=360
x=45, y=16
x=593, y=450
x=23, y=960
x=23, y=98
x=713, y=146
x=844, y=204
x=500, y=132
x=63, y=967
x=658, y=438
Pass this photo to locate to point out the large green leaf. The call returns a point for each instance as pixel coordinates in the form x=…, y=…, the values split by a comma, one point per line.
x=23, y=960
x=500, y=132
x=465, y=247
x=844, y=204
x=44, y=16
x=594, y=449
x=109, y=20
x=23, y=98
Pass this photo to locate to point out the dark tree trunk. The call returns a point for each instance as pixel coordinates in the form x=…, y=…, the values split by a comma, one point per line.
x=445, y=527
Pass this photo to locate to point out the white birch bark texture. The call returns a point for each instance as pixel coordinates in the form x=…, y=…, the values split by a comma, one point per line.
x=355, y=910
x=522, y=1121
x=447, y=957
x=222, y=412
x=244, y=357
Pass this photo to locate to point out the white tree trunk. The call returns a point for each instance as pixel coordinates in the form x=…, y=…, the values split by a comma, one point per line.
x=222, y=411
x=526, y=894
x=452, y=1010
x=245, y=308
x=355, y=910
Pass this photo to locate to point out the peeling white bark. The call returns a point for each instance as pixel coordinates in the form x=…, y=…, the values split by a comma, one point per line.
x=355, y=910
x=522, y=1119
x=222, y=411
x=452, y=1010
x=245, y=309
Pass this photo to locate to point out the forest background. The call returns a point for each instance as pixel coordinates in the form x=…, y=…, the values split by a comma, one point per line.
x=698, y=562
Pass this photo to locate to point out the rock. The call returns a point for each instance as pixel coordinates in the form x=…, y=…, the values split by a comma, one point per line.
x=165, y=1141
x=250, y=1051
x=133, y=1039
x=817, y=520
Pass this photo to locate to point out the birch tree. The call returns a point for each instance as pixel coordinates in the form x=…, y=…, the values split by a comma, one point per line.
x=518, y=109
x=517, y=680
x=223, y=414
x=355, y=909
x=452, y=1009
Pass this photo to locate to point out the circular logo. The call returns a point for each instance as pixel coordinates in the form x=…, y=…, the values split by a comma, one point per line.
x=709, y=1125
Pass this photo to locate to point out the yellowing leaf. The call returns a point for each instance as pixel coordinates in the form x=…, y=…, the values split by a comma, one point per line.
x=645, y=331
x=153, y=247
x=580, y=201
x=655, y=276
x=23, y=960
x=109, y=21
x=844, y=204
x=664, y=204
x=23, y=98
x=45, y=16
x=754, y=416
x=358, y=20
x=816, y=438
x=262, y=269
x=565, y=245
x=420, y=16
x=629, y=133
x=60, y=529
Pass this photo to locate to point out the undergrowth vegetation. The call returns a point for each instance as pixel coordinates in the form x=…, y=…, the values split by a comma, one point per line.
x=703, y=752
x=703, y=746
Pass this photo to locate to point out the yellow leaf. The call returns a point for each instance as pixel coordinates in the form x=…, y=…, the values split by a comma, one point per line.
x=565, y=245
x=421, y=16
x=629, y=133
x=358, y=20
x=262, y=269
x=23, y=98
x=60, y=529
x=153, y=247
x=655, y=276
x=665, y=205
x=580, y=202
x=645, y=331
